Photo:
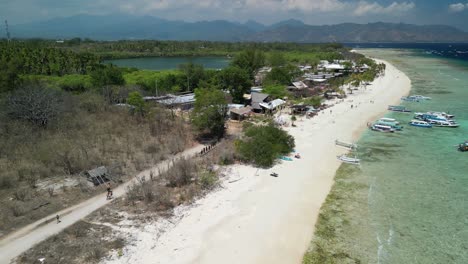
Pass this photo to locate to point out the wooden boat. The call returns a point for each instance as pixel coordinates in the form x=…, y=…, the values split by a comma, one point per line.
x=398, y=108
x=351, y=146
x=349, y=160
x=419, y=123
x=382, y=128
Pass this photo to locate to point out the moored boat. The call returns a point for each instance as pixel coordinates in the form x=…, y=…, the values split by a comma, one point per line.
x=444, y=114
x=441, y=123
x=382, y=128
x=349, y=160
x=421, y=97
x=419, y=123
x=393, y=125
x=398, y=108
x=351, y=146
x=411, y=99
x=387, y=119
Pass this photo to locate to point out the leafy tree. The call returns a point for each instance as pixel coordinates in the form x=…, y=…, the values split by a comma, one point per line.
x=278, y=76
x=262, y=145
x=8, y=75
x=107, y=75
x=194, y=73
x=275, y=90
x=282, y=75
x=236, y=81
x=210, y=111
x=250, y=60
x=277, y=59
x=136, y=100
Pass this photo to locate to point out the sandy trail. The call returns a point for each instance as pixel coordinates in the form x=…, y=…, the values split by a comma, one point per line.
x=14, y=244
x=262, y=219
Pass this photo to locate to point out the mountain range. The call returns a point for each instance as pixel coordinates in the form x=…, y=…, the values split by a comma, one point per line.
x=116, y=27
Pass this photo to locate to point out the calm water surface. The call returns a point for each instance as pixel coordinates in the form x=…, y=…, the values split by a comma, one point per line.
x=415, y=209
x=169, y=63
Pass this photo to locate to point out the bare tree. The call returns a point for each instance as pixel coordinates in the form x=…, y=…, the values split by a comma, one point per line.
x=35, y=104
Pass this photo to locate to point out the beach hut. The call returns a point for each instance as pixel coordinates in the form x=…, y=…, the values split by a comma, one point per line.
x=257, y=99
x=240, y=113
x=98, y=175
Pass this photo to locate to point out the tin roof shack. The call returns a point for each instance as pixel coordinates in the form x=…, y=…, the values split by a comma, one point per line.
x=257, y=99
x=182, y=102
x=98, y=175
x=273, y=105
x=240, y=113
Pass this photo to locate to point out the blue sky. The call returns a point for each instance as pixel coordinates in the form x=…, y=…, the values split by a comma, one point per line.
x=316, y=12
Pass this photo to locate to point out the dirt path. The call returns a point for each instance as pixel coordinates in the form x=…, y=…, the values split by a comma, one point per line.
x=16, y=243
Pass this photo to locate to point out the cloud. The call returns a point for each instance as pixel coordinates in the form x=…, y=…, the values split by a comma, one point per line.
x=366, y=8
x=458, y=7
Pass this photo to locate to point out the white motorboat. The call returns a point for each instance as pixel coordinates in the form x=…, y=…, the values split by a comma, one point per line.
x=387, y=119
x=441, y=123
x=382, y=128
x=349, y=160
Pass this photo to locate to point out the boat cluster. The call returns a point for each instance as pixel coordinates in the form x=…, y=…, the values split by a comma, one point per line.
x=347, y=159
x=437, y=119
x=415, y=98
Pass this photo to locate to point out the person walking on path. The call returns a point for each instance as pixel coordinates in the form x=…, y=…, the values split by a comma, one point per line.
x=58, y=219
x=109, y=191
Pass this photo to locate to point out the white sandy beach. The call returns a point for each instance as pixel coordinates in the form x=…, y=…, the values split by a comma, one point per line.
x=256, y=218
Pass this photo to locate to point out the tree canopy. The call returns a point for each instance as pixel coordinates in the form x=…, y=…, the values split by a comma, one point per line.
x=262, y=145
x=250, y=60
x=107, y=75
x=210, y=111
x=236, y=81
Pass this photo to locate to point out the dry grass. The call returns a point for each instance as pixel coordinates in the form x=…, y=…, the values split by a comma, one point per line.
x=77, y=244
x=146, y=201
x=89, y=134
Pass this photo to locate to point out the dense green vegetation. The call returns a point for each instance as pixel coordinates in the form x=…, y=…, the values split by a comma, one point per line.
x=262, y=145
x=210, y=111
x=41, y=58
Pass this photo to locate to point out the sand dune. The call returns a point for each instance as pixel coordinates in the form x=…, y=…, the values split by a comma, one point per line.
x=256, y=218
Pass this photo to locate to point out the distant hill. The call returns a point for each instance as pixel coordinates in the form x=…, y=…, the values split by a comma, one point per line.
x=114, y=27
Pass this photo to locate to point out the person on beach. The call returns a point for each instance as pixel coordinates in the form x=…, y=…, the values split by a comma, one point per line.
x=58, y=219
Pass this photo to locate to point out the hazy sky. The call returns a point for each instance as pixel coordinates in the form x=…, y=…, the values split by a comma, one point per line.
x=316, y=12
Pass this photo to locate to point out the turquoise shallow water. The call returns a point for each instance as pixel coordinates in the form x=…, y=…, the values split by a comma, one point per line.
x=417, y=194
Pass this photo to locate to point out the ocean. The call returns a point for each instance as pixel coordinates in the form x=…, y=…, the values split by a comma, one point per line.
x=408, y=202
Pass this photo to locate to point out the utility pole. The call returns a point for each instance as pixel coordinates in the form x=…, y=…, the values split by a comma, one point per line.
x=156, y=85
x=7, y=31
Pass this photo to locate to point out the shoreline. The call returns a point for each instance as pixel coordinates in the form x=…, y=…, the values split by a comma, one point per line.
x=256, y=218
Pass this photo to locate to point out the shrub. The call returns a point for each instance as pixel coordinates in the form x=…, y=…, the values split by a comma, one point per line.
x=208, y=180
x=263, y=144
x=7, y=181
x=181, y=173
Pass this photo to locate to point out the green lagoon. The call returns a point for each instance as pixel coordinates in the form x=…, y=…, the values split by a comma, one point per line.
x=408, y=202
x=170, y=63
